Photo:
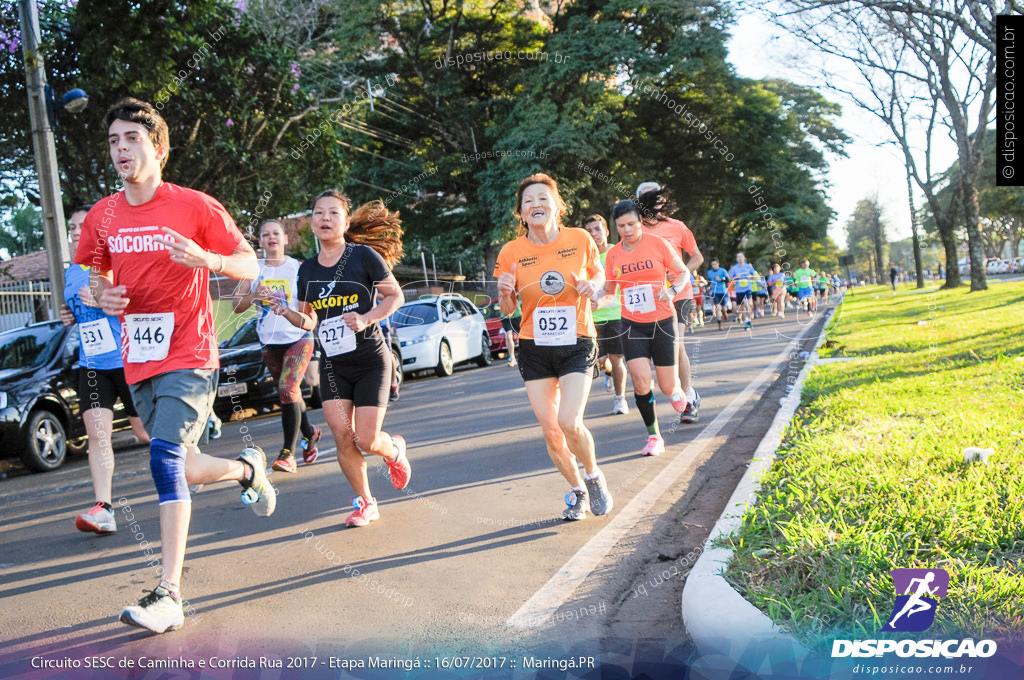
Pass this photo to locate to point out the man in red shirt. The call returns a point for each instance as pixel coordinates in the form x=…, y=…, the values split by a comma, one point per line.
x=653, y=208
x=151, y=247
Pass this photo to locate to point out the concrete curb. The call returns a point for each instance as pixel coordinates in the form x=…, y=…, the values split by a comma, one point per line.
x=719, y=620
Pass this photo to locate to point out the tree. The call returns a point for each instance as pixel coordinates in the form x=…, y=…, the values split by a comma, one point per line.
x=951, y=49
x=865, y=235
x=440, y=109
x=229, y=98
x=24, y=234
x=1001, y=208
x=642, y=92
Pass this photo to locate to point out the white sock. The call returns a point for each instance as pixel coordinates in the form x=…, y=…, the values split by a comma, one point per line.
x=691, y=394
x=595, y=475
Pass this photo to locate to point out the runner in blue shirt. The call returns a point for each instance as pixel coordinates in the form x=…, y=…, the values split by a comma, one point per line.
x=743, y=275
x=100, y=382
x=718, y=278
x=777, y=290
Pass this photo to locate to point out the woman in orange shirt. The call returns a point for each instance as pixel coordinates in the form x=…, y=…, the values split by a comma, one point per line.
x=638, y=264
x=555, y=272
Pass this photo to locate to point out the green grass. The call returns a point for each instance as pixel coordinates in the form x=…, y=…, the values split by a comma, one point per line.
x=225, y=319
x=870, y=474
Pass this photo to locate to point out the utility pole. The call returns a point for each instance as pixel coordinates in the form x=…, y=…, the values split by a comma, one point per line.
x=50, y=197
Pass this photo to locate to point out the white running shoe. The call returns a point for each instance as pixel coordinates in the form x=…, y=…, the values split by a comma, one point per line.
x=260, y=495
x=158, y=612
x=620, y=408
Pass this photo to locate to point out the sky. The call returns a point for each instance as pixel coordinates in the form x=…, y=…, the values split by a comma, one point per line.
x=873, y=167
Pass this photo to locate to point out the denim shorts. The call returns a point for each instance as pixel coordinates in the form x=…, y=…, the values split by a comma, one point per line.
x=175, y=406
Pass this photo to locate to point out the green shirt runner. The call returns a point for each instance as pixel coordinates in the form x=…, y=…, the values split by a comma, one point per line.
x=612, y=312
x=804, y=277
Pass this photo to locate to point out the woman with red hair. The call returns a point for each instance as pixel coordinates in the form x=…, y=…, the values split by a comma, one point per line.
x=555, y=272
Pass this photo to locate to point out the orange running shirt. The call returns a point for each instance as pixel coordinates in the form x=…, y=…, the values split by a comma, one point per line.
x=681, y=238
x=543, y=277
x=640, y=274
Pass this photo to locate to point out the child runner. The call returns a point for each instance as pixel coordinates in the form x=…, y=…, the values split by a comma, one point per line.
x=286, y=349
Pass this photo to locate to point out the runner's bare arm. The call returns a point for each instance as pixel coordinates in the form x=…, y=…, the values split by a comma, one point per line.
x=682, y=275
x=607, y=295
x=588, y=287
x=391, y=299
x=507, y=292
x=113, y=299
x=303, y=318
x=246, y=294
x=695, y=260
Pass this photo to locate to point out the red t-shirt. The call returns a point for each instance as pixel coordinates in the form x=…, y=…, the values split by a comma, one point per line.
x=118, y=236
x=640, y=274
x=681, y=238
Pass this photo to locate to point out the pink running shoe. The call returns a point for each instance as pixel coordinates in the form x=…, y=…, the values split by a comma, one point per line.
x=98, y=520
x=365, y=513
x=655, y=446
x=399, y=468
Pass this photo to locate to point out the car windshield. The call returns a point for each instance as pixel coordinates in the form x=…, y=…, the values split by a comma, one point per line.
x=419, y=314
x=246, y=335
x=28, y=347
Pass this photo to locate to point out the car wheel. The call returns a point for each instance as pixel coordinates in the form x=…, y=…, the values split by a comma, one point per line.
x=445, y=365
x=399, y=371
x=485, y=353
x=46, y=444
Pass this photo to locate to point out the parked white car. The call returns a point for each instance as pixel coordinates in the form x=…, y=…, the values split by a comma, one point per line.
x=440, y=331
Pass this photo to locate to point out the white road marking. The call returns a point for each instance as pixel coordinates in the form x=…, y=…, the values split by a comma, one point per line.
x=553, y=594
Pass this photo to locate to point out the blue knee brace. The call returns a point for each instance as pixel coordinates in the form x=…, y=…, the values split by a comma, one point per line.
x=167, y=463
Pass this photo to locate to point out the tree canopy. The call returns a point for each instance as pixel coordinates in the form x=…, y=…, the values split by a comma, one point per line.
x=439, y=109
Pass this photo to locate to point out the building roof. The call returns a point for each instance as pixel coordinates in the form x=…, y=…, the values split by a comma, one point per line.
x=31, y=267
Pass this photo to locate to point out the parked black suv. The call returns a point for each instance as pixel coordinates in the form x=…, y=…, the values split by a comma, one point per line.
x=40, y=418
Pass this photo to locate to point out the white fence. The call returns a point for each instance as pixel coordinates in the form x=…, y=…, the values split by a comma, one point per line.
x=23, y=303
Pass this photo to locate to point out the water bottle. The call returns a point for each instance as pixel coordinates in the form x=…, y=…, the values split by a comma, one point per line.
x=570, y=498
x=250, y=496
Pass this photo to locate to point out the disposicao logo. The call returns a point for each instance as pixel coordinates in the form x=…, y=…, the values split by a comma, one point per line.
x=916, y=590
x=914, y=611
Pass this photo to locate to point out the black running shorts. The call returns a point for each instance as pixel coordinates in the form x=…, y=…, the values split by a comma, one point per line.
x=684, y=308
x=367, y=383
x=654, y=340
x=100, y=388
x=537, y=362
x=609, y=337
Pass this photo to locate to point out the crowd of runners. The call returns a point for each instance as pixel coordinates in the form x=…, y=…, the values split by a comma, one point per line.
x=139, y=290
x=743, y=293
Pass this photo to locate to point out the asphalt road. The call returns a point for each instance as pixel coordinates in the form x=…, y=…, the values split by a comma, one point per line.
x=471, y=560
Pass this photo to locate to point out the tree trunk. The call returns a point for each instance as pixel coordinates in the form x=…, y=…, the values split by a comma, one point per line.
x=946, y=233
x=918, y=266
x=878, y=238
x=491, y=251
x=974, y=241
